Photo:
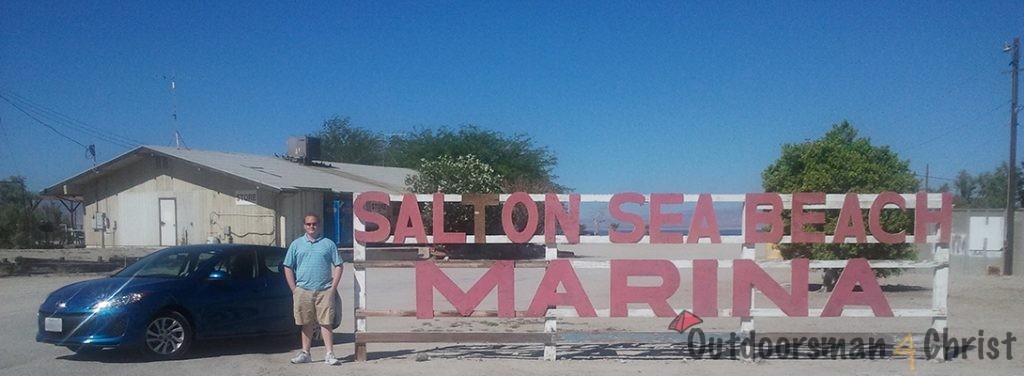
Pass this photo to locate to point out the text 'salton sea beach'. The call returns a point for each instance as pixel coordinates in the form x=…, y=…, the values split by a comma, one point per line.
x=763, y=222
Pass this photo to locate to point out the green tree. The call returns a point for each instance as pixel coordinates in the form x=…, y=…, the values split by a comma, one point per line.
x=965, y=188
x=17, y=221
x=456, y=175
x=517, y=159
x=522, y=164
x=467, y=174
x=340, y=141
x=460, y=174
x=987, y=189
x=840, y=162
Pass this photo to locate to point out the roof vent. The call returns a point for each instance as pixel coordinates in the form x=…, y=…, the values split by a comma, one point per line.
x=304, y=149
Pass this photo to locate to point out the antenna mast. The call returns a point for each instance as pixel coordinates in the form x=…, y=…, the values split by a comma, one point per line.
x=178, y=141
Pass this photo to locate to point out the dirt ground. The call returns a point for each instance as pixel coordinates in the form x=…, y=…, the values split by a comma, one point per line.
x=976, y=302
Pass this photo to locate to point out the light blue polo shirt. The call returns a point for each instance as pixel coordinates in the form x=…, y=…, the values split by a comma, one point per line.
x=312, y=262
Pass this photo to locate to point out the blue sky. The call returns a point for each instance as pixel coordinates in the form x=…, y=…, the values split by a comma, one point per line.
x=631, y=96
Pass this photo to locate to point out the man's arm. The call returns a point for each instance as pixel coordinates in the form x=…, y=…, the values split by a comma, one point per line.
x=336, y=276
x=289, y=275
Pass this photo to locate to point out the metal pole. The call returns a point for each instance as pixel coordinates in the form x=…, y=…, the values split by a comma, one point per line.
x=1011, y=190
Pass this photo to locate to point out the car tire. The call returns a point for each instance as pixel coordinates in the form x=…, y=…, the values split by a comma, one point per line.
x=167, y=335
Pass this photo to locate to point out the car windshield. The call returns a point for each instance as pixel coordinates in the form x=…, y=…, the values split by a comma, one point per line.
x=167, y=264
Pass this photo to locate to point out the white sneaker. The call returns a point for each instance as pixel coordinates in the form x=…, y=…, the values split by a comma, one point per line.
x=331, y=360
x=303, y=357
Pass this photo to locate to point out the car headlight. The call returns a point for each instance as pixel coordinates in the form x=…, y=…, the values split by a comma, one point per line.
x=116, y=301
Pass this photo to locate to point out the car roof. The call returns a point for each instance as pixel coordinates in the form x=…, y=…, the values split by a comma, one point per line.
x=219, y=247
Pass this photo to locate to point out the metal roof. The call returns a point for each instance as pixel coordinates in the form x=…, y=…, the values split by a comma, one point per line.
x=272, y=172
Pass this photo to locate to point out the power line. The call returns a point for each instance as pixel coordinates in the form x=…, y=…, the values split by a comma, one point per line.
x=69, y=122
x=957, y=127
x=42, y=122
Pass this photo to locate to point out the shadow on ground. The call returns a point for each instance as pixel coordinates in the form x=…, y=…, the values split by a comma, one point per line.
x=284, y=345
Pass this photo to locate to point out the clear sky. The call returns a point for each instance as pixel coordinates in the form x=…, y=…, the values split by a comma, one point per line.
x=631, y=96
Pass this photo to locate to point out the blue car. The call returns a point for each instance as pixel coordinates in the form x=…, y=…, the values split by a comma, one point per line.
x=167, y=300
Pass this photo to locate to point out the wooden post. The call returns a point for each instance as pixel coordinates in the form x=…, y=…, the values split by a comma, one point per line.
x=550, y=322
x=940, y=289
x=747, y=323
x=359, y=283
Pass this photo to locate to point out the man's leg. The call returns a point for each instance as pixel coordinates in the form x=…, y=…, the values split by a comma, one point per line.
x=307, y=337
x=328, y=336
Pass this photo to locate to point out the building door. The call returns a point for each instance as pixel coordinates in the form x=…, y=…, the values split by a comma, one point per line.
x=168, y=222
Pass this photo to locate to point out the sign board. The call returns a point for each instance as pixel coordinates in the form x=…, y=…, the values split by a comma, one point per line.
x=245, y=197
x=554, y=219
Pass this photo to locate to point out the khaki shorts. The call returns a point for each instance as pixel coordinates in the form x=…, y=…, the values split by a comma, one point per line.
x=313, y=307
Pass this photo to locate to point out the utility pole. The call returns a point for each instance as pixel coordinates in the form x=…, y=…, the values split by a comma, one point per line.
x=1011, y=184
x=926, y=177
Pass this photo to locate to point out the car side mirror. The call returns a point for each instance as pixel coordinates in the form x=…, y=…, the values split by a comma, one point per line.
x=217, y=275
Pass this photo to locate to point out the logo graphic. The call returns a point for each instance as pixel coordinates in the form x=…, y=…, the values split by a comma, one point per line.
x=684, y=321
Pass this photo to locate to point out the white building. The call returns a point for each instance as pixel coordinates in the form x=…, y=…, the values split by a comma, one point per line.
x=161, y=196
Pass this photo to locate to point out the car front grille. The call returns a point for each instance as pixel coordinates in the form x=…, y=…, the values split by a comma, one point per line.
x=83, y=325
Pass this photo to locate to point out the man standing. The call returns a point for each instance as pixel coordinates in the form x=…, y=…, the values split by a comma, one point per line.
x=313, y=269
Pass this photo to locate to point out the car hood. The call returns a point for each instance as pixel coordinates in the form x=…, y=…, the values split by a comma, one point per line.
x=83, y=295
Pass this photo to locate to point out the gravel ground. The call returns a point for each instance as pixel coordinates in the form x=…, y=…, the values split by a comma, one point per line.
x=992, y=304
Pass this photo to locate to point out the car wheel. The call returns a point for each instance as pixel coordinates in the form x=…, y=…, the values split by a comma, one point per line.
x=168, y=336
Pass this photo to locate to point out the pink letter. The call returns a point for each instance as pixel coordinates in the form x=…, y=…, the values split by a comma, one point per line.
x=410, y=223
x=850, y=221
x=367, y=216
x=705, y=214
x=614, y=207
x=754, y=217
x=705, y=288
x=569, y=221
x=547, y=295
x=875, y=218
x=857, y=272
x=440, y=235
x=746, y=275
x=429, y=276
x=657, y=296
x=801, y=218
x=513, y=233
x=659, y=219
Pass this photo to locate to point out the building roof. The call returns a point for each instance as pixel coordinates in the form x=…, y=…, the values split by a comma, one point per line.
x=273, y=172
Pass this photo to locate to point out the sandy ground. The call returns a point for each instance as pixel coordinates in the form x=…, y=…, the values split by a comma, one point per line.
x=977, y=302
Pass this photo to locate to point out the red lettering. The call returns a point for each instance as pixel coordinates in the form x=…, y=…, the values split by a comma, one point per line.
x=747, y=275
x=500, y=276
x=410, y=223
x=569, y=221
x=875, y=218
x=369, y=217
x=440, y=235
x=655, y=296
x=850, y=222
x=560, y=272
x=802, y=218
x=857, y=272
x=755, y=217
x=705, y=288
x=704, y=223
x=615, y=209
x=514, y=234
x=659, y=219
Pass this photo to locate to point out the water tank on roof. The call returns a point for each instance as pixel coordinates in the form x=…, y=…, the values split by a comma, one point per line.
x=305, y=149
